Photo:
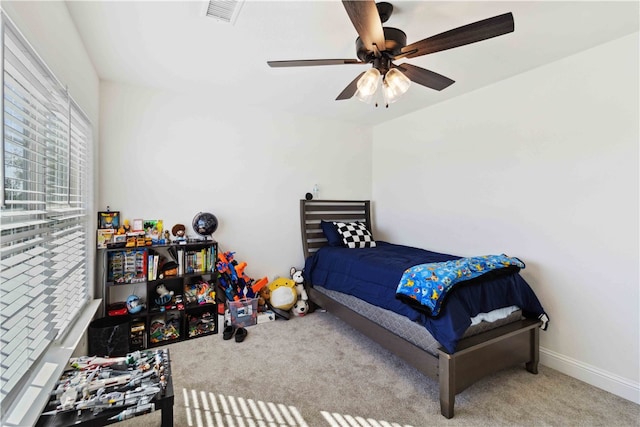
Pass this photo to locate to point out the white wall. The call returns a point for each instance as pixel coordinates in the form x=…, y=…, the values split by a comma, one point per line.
x=50, y=30
x=543, y=166
x=169, y=156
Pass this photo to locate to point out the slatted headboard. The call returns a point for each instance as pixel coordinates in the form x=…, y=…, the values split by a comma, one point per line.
x=312, y=211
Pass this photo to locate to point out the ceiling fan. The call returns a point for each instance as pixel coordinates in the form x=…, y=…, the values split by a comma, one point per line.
x=379, y=46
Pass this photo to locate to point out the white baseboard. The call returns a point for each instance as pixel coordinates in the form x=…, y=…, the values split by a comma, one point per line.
x=591, y=375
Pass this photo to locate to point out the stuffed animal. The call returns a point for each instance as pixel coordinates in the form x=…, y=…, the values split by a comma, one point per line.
x=164, y=294
x=283, y=293
x=301, y=307
x=263, y=297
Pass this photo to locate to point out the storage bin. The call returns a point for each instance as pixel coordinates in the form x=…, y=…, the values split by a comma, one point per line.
x=109, y=336
x=202, y=320
x=244, y=312
x=165, y=326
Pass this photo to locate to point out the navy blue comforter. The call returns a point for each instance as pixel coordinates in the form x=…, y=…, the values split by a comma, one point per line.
x=373, y=274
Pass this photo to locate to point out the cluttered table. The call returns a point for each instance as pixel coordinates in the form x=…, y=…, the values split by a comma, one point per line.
x=97, y=391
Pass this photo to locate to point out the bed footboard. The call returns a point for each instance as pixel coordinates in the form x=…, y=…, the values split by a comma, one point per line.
x=484, y=354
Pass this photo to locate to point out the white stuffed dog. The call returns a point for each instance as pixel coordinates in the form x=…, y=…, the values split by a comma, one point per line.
x=301, y=307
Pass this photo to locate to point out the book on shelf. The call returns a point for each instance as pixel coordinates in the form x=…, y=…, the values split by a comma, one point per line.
x=197, y=261
x=180, y=262
x=150, y=275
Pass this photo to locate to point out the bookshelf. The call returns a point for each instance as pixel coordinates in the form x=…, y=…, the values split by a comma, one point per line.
x=174, y=282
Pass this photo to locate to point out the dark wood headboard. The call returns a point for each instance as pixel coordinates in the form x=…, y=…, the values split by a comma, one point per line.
x=312, y=211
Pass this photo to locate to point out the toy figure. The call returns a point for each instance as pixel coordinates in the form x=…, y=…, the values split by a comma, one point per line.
x=167, y=237
x=179, y=231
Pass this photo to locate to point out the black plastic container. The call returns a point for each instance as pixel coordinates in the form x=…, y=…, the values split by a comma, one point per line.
x=109, y=336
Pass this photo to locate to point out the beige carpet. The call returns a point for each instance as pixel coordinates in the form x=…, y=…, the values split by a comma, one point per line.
x=316, y=371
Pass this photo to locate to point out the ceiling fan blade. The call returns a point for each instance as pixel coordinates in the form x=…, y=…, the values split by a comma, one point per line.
x=312, y=62
x=467, y=34
x=366, y=20
x=425, y=77
x=350, y=90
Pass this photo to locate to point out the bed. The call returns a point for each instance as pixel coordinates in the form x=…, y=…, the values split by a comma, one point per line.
x=403, y=328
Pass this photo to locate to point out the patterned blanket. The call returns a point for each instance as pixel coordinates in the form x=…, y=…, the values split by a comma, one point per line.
x=429, y=284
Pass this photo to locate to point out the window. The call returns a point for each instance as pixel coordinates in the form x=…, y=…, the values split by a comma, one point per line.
x=46, y=190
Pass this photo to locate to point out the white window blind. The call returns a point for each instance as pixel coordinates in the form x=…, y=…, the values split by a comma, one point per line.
x=46, y=141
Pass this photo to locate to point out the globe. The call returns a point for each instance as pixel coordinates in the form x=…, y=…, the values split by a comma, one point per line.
x=205, y=224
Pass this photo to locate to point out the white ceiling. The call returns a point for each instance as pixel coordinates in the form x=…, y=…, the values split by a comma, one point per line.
x=172, y=45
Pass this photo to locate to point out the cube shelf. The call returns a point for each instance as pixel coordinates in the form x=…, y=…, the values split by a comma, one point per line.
x=175, y=288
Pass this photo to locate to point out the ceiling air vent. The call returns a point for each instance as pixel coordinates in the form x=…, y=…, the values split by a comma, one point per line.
x=224, y=10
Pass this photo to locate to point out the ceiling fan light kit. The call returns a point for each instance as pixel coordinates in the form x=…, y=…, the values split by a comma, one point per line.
x=379, y=46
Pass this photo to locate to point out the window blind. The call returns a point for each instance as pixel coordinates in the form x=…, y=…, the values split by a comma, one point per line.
x=44, y=222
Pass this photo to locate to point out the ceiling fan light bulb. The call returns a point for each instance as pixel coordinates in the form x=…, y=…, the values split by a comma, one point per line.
x=368, y=83
x=397, y=81
x=364, y=97
x=391, y=94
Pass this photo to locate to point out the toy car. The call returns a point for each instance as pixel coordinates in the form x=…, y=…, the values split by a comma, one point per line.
x=117, y=309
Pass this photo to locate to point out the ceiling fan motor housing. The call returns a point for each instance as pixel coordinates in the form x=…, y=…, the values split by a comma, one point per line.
x=395, y=40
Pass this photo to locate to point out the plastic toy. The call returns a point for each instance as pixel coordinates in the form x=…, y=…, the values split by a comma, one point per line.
x=134, y=305
x=164, y=330
x=169, y=268
x=117, y=309
x=98, y=384
x=200, y=293
x=261, y=290
x=179, y=231
x=301, y=307
x=202, y=324
x=235, y=282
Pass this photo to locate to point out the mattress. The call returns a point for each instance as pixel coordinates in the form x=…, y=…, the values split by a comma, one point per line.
x=401, y=326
